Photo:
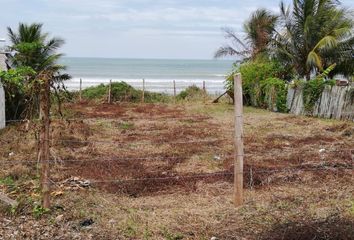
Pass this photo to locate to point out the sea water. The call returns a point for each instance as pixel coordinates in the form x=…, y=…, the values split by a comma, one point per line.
x=159, y=74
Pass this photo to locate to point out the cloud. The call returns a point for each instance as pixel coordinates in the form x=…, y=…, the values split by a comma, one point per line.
x=114, y=28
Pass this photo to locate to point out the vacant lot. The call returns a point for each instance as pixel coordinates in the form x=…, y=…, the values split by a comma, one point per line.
x=165, y=172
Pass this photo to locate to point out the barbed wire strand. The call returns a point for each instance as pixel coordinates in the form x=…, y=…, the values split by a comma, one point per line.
x=181, y=177
x=217, y=157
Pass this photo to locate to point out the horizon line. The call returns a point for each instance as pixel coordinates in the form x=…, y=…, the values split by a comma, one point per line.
x=152, y=58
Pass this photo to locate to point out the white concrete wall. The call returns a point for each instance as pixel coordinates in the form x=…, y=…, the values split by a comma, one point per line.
x=2, y=107
x=2, y=93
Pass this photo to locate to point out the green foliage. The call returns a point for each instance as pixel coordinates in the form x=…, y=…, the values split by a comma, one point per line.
x=38, y=211
x=95, y=92
x=126, y=125
x=7, y=181
x=313, y=35
x=326, y=72
x=274, y=92
x=17, y=89
x=16, y=76
x=312, y=91
x=261, y=85
x=32, y=49
x=351, y=210
x=121, y=91
x=172, y=236
x=253, y=73
x=191, y=93
x=259, y=29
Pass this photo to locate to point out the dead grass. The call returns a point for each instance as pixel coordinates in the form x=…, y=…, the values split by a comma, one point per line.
x=161, y=141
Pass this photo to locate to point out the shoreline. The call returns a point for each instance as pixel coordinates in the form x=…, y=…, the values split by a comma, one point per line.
x=213, y=86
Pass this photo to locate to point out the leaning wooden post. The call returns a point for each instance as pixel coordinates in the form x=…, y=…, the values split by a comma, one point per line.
x=143, y=93
x=110, y=92
x=174, y=91
x=238, y=161
x=44, y=140
x=4, y=198
x=80, y=93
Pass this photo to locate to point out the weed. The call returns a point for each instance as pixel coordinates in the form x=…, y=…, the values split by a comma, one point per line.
x=39, y=211
x=131, y=228
x=7, y=181
x=126, y=125
x=352, y=207
x=172, y=236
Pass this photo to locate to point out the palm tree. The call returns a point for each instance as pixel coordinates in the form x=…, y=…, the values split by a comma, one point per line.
x=315, y=34
x=33, y=48
x=259, y=30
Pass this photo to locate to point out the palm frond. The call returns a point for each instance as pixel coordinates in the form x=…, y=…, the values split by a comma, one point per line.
x=313, y=59
x=229, y=51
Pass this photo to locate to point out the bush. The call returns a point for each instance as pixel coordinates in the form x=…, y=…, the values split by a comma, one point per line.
x=312, y=91
x=121, y=91
x=253, y=73
x=274, y=92
x=261, y=83
x=191, y=93
x=18, y=91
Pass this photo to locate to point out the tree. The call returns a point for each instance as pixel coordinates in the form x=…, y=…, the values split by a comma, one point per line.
x=315, y=34
x=259, y=30
x=33, y=48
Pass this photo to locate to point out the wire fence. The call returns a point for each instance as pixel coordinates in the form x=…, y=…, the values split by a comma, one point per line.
x=253, y=171
x=212, y=86
x=218, y=157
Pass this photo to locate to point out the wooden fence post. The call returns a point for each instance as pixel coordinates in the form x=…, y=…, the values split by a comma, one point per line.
x=238, y=161
x=174, y=91
x=204, y=92
x=110, y=92
x=80, y=93
x=44, y=141
x=143, y=94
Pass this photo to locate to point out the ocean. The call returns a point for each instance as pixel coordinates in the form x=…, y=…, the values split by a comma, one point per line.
x=159, y=74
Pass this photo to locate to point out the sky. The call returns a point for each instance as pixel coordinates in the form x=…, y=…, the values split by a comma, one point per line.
x=170, y=29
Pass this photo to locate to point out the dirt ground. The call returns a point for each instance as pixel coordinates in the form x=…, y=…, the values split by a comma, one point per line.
x=153, y=171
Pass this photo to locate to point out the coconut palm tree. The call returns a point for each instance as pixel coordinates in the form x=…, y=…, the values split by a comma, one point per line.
x=35, y=49
x=258, y=30
x=314, y=35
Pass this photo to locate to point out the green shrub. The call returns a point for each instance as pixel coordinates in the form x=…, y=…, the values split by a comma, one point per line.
x=261, y=84
x=274, y=92
x=253, y=73
x=312, y=91
x=121, y=91
x=18, y=90
x=191, y=93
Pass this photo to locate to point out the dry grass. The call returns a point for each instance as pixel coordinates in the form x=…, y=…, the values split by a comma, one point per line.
x=278, y=204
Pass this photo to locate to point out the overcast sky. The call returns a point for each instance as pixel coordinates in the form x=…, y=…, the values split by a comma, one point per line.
x=135, y=28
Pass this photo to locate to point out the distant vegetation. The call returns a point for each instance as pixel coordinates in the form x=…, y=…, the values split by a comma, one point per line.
x=121, y=91
x=191, y=93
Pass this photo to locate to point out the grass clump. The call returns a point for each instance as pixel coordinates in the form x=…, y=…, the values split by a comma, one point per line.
x=191, y=93
x=126, y=125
